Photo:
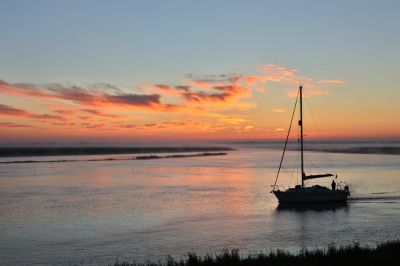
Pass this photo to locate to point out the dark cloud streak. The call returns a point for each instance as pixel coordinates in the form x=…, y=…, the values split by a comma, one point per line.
x=11, y=111
x=12, y=125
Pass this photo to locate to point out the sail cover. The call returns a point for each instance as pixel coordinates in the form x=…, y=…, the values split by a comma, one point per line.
x=316, y=176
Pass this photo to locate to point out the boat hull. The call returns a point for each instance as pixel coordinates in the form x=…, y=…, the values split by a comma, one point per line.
x=311, y=196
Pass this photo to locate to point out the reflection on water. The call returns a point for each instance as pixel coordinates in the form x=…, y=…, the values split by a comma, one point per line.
x=93, y=212
x=311, y=207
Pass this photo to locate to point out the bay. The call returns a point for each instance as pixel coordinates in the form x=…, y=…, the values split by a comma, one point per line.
x=90, y=213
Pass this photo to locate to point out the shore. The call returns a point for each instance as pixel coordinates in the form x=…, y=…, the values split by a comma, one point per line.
x=144, y=157
x=61, y=151
x=366, y=150
x=387, y=253
x=355, y=150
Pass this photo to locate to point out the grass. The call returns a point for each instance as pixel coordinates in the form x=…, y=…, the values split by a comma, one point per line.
x=387, y=253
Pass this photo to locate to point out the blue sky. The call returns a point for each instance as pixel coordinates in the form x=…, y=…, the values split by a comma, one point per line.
x=143, y=41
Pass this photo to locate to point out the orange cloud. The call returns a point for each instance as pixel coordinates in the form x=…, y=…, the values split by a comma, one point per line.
x=220, y=93
x=98, y=113
x=273, y=73
x=13, y=125
x=23, y=90
x=6, y=110
x=207, y=93
x=91, y=97
x=330, y=81
x=210, y=104
x=276, y=74
x=165, y=89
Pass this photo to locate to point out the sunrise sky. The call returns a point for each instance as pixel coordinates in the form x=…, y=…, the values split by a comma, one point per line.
x=197, y=70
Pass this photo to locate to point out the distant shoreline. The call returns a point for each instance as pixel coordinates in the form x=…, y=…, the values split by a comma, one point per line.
x=362, y=150
x=144, y=157
x=353, y=150
x=66, y=151
x=63, y=151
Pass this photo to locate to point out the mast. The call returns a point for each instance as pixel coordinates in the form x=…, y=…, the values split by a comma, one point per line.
x=301, y=136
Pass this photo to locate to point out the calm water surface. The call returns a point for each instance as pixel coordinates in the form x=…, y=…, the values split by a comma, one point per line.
x=93, y=212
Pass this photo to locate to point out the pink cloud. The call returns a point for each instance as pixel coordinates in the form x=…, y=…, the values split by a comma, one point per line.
x=276, y=74
x=6, y=110
x=330, y=81
x=89, y=97
x=13, y=125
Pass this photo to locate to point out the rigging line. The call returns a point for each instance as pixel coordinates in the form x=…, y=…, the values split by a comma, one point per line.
x=291, y=177
x=320, y=169
x=284, y=170
x=287, y=138
x=324, y=148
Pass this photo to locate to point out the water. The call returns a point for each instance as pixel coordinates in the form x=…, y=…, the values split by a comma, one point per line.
x=90, y=213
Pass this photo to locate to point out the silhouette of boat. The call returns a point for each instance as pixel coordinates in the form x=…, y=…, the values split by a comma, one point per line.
x=302, y=194
x=318, y=207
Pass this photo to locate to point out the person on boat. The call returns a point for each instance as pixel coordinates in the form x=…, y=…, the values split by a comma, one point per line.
x=333, y=185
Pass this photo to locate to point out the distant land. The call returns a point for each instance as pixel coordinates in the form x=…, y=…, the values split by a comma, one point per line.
x=144, y=157
x=355, y=147
x=362, y=150
x=389, y=148
x=59, y=151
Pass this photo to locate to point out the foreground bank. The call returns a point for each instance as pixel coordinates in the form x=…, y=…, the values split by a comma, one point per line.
x=387, y=253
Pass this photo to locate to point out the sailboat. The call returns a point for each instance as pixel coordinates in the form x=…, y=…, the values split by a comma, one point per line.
x=302, y=194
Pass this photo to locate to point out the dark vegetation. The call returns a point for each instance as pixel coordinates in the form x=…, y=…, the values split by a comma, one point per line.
x=383, y=254
x=369, y=150
x=147, y=157
x=358, y=150
x=354, y=150
x=144, y=157
x=53, y=151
